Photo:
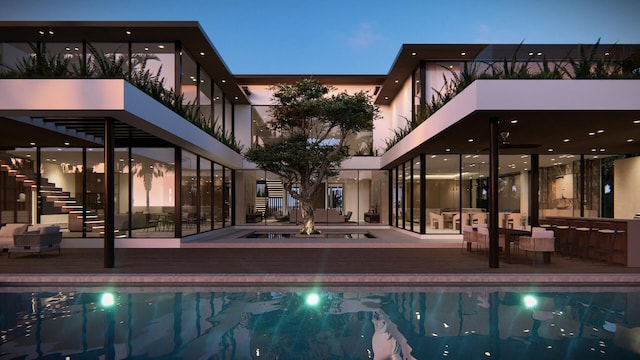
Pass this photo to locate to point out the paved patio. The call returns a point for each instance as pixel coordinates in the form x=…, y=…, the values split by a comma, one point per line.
x=228, y=258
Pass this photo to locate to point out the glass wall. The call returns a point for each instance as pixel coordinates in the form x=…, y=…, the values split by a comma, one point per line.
x=350, y=197
x=206, y=98
x=206, y=195
x=189, y=83
x=218, y=196
x=153, y=191
x=94, y=193
x=124, y=219
x=18, y=192
x=416, y=207
x=158, y=59
x=189, y=193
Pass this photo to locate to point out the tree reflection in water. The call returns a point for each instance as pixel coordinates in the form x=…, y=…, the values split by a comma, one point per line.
x=362, y=324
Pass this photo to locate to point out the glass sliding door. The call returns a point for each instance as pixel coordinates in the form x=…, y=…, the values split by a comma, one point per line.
x=189, y=193
x=153, y=191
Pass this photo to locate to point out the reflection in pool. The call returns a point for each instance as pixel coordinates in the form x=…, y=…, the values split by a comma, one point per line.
x=332, y=323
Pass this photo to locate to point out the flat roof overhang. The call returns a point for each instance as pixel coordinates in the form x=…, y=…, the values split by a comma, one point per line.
x=411, y=55
x=551, y=114
x=188, y=33
x=87, y=102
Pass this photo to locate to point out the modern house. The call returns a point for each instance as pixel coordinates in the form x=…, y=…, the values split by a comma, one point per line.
x=137, y=129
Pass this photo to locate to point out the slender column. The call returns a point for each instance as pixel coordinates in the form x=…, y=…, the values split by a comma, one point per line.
x=177, y=184
x=85, y=194
x=109, y=203
x=494, y=246
x=581, y=186
x=534, y=189
x=423, y=194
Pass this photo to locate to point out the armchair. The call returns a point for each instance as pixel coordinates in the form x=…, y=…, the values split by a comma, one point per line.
x=539, y=241
x=8, y=231
x=437, y=220
x=37, y=239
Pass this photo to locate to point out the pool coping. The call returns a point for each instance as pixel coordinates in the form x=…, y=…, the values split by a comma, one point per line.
x=595, y=279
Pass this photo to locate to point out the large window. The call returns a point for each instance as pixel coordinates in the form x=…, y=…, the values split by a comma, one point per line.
x=206, y=193
x=153, y=191
x=158, y=59
x=189, y=193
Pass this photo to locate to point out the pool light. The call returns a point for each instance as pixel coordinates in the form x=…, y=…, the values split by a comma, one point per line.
x=312, y=299
x=530, y=301
x=107, y=300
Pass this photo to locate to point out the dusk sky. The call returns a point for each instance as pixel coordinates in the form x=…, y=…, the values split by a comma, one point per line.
x=353, y=36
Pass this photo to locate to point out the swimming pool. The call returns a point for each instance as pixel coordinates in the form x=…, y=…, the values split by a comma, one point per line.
x=313, y=323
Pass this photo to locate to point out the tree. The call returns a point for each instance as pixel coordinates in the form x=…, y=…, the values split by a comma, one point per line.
x=313, y=122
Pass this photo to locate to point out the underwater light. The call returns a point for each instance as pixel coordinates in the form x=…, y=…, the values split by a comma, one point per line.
x=530, y=301
x=107, y=300
x=313, y=299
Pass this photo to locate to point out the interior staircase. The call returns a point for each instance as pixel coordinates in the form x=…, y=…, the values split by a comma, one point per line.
x=54, y=199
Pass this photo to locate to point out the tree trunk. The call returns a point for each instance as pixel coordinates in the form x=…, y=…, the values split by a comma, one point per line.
x=308, y=226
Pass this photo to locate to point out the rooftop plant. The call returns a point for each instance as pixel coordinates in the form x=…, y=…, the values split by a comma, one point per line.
x=42, y=64
x=585, y=66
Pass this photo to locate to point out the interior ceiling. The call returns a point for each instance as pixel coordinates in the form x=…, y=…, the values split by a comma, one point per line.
x=58, y=131
x=536, y=132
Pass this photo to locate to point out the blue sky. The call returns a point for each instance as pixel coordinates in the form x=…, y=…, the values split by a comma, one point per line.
x=354, y=36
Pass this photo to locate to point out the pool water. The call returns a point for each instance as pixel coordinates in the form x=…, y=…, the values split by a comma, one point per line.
x=326, y=235
x=312, y=323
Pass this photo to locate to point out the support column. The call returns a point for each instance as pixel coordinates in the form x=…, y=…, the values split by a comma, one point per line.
x=581, y=185
x=494, y=246
x=534, y=189
x=423, y=194
x=109, y=193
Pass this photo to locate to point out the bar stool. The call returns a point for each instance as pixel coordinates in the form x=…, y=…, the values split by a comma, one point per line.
x=609, y=234
x=580, y=238
x=561, y=230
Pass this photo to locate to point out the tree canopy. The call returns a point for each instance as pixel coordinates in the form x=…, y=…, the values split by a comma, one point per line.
x=314, y=122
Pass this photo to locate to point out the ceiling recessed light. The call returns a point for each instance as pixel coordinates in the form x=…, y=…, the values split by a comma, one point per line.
x=592, y=150
x=223, y=81
x=447, y=150
x=636, y=121
x=386, y=98
x=128, y=32
x=414, y=53
x=602, y=150
x=396, y=81
x=433, y=156
x=201, y=53
x=530, y=54
x=463, y=53
x=146, y=48
x=514, y=121
x=50, y=32
x=549, y=149
x=539, y=54
x=600, y=131
x=160, y=46
x=32, y=143
x=566, y=140
x=66, y=143
x=470, y=140
x=40, y=32
x=606, y=54
x=629, y=140
x=591, y=133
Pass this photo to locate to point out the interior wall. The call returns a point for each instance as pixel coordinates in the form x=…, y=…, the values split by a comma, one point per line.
x=626, y=180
